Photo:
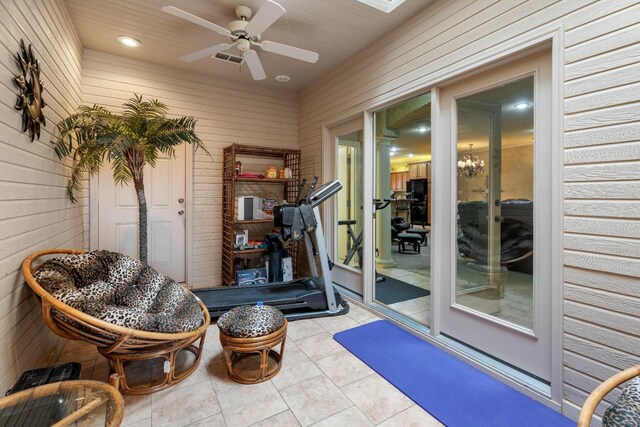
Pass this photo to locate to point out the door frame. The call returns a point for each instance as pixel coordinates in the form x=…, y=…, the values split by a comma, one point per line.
x=329, y=208
x=94, y=217
x=507, y=51
x=500, y=335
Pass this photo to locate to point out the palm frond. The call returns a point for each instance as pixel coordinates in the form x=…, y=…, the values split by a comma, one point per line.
x=94, y=134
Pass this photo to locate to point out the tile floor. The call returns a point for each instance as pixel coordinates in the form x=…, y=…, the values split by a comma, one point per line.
x=320, y=384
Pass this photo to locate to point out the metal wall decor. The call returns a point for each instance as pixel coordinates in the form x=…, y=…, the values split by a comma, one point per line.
x=30, y=87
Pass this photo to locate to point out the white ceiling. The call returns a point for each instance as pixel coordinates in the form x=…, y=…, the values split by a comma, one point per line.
x=336, y=29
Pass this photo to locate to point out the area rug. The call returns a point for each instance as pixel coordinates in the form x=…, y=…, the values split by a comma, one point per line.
x=391, y=291
x=452, y=391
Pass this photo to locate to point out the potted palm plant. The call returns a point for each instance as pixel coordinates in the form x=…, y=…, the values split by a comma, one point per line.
x=128, y=141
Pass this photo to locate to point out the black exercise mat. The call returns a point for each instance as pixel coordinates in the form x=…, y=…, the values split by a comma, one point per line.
x=392, y=290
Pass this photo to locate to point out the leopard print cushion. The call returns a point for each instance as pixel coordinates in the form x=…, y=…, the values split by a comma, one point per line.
x=120, y=290
x=250, y=321
x=626, y=410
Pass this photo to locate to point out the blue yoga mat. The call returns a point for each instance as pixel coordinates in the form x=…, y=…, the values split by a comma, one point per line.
x=454, y=392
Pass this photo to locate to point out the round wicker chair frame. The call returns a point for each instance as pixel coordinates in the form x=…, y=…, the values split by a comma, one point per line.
x=118, y=344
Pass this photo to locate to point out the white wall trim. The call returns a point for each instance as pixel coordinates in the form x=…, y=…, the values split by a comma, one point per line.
x=93, y=213
x=188, y=184
x=557, y=212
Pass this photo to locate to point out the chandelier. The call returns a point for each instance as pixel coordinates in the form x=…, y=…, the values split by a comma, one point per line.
x=470, y=165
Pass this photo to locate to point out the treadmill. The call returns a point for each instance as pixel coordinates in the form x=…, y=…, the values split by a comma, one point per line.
x=300, y=298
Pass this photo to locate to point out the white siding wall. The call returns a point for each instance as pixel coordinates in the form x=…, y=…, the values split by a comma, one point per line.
x=227, y=113
x=34, y=210
x=602, y=147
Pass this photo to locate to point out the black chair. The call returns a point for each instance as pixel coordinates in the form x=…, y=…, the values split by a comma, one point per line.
x=403, y=233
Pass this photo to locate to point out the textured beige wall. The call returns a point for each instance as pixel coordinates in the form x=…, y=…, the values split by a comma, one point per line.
x=35, y=212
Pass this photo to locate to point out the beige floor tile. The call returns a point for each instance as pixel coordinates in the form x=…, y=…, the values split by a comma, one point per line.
x=337, y=323
x=415, y=416
x=351, y=417
x=220, y=379
x=283, y=419
x=183, y=406
x=250, y=404
x=377, y=398
x=319, y=346
x=200, y=374
x=301, y=329
x=74, y=352
x=344, y=368
x=296, y=367
x=315, y=399
x=136, y=409
x=423, y=317
x=360, y=314
x=213, y=421
x=142, y=423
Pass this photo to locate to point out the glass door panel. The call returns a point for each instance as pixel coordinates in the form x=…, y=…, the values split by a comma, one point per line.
x=494, y=272
x=349, y=204
x=403, y=208
x=346, y=214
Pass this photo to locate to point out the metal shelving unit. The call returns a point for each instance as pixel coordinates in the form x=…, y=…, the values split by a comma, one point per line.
x=291, y=160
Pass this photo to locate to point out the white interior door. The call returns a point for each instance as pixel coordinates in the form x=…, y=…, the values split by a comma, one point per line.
x=165, y=193
x=345, y=241
x=496, y=287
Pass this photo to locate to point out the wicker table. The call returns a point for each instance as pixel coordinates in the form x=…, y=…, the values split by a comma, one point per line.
x=81, y=403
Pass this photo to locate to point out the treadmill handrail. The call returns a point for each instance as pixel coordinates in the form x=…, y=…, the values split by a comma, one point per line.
x=325, y=192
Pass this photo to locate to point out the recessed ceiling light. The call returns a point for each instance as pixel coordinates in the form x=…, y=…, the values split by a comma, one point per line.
x=521, y=105
x=423, y=129
x=129, y=41
x=283, y=79
x=410, y=154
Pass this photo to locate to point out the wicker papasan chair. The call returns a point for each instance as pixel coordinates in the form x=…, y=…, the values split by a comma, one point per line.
x=132, y=313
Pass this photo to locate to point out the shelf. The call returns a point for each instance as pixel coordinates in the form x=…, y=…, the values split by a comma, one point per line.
x=265, y=180
x=253, y=221
x=248, y=251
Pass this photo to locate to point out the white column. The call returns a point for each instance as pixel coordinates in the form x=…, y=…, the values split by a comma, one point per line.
x=383, y=185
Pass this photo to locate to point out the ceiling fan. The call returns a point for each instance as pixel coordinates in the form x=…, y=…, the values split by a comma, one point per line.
x=244, y=34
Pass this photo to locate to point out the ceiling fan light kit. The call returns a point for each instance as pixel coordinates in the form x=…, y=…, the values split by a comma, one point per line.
x=245, y=33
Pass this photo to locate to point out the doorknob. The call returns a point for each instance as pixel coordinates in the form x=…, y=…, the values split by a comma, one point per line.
x=180, y=212
x=499, y=218
x=180, y=200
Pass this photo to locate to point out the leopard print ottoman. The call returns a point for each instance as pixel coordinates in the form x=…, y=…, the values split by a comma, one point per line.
x=250, y=336
x=625, y=412
x=250, y=321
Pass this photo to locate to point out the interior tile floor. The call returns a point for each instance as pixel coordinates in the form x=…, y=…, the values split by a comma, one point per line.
x=320, y=384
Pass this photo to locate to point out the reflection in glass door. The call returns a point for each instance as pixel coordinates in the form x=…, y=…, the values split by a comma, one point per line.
x=403, y=208
x=348, y=237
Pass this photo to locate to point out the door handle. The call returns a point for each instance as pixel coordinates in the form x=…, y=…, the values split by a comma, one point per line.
x=180, y=200
x=180, y=212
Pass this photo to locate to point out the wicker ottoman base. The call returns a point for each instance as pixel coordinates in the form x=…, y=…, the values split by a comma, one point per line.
x=254, y=360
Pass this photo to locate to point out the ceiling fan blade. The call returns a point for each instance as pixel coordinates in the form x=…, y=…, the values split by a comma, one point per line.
x=210, y=51
x=290, y=51
x=267, y=15
x=254, y=64
x=196, y=20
